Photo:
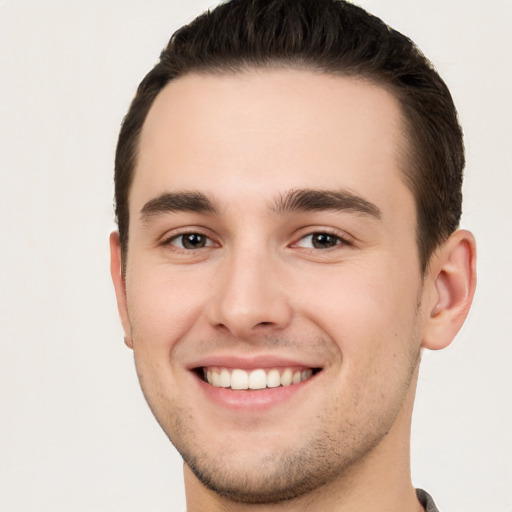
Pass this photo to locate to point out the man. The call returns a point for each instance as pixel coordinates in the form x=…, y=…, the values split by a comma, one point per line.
x=288, y=191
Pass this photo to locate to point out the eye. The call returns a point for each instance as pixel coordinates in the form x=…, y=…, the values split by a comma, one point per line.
x=320, y=241
x=191, y=241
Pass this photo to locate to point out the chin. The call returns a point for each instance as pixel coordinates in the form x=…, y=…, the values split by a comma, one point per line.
x=273, y=476
x=268, y=482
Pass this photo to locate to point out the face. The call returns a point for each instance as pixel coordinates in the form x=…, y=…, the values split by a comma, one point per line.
x=273, y=288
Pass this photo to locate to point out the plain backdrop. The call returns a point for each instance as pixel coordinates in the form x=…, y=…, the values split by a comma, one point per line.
x=75, y=432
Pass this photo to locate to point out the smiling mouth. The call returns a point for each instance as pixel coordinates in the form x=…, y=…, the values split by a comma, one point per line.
x=258, y=378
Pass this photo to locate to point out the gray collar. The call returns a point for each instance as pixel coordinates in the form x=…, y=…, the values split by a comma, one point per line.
x=426, y=500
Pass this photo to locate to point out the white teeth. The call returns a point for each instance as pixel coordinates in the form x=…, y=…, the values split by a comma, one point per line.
x=306, y=374
x=225, y=378
x=286, y=377
x=255, y=379
x=273, y=379
x=239, y=379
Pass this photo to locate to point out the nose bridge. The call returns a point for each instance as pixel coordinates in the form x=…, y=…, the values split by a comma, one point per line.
x=250, y=294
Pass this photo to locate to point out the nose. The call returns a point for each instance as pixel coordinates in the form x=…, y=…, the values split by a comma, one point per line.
x=251, y=296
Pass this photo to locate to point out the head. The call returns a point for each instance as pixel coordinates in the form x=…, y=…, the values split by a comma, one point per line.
x=287, y=191
x=328, y=37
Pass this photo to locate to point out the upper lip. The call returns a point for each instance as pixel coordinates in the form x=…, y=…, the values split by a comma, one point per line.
x=251, y=362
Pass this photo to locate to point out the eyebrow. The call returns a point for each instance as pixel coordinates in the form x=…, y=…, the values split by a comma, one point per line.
x=296, y=200
x=305, y=200
x=177, y=202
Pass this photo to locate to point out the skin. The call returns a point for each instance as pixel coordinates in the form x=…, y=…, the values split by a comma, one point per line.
x=356, y=308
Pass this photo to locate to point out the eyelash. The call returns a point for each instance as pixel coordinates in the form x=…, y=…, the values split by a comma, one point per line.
x=209, y=241
x=338, y=239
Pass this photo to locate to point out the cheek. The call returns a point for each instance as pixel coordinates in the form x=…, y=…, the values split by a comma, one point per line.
x=373, y=319
x=162, y=306
x=369, y=311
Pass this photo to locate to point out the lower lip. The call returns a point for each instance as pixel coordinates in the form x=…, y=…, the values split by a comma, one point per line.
x=254, y=400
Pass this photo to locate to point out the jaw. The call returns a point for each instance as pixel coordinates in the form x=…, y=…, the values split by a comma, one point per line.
x=385, y=465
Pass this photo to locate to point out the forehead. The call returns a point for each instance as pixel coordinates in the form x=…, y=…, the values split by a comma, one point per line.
x=265, y=131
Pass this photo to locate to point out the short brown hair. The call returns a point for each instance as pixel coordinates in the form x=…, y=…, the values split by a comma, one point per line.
x=329, y=36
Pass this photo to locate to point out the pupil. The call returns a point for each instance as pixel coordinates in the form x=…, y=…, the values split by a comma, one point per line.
x=193, y=241
x=323, y=240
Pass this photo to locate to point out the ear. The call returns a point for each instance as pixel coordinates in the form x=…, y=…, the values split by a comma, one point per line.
x=119, y=285
x=452, y=280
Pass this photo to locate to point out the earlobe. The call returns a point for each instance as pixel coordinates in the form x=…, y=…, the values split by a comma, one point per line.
x=119, y=286
x=452, y=278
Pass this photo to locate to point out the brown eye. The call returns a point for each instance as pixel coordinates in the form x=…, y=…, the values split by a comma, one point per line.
x=320, y=240
x=324, y=240
x=191, y=241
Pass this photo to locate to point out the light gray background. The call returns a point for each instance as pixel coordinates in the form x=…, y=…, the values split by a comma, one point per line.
x=75, y=433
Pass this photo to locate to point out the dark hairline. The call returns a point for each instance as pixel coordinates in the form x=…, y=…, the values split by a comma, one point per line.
x=406, y=146
x=332, y=37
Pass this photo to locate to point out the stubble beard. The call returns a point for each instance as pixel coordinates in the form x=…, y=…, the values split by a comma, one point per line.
x=284, y=476
x=294, y=471
x=323, y=457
